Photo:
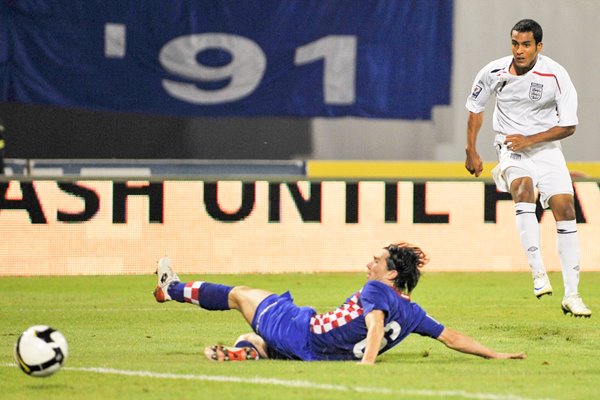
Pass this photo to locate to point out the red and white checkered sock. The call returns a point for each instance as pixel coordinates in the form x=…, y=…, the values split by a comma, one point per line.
x=191, y=292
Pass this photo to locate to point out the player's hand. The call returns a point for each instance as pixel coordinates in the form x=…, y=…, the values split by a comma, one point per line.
x=517, y=142
x=510, y=356
x=473, y=164
x=363, y=362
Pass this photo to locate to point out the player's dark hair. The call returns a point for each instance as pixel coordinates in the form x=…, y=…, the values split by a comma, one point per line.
x=529, y=25
x=407, y=260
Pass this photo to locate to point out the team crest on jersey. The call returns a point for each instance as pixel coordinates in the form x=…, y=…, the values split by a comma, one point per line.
x=535, y=91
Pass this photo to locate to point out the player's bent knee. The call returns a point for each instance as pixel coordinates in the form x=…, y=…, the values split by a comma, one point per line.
x=249, y=337
x=525, y=193
x=522, y=190
x=240, y=292
x=237, y=295
x=257, y=341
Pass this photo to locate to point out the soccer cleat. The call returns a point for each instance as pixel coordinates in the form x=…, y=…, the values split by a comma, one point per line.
x=222, y=353
x=541, y=285
x=166, y=276
x=574, y=305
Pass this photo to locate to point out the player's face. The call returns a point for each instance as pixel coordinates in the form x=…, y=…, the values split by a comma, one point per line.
x=524, y=49
x=377, y=268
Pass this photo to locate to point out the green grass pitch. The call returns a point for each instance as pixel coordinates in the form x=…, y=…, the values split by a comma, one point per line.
x=123, y=345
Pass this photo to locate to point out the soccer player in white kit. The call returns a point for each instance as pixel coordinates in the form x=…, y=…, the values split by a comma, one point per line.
x=536, y=107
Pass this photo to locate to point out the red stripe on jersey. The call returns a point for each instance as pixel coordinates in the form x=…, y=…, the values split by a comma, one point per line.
x=549, y=75
x=186, y=298
x=403, y=295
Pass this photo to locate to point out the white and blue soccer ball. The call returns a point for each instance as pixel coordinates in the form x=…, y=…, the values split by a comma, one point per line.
x=41, y=351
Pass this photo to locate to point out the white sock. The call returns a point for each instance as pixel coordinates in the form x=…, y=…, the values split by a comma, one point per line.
x=567, y=242
x=529, y=231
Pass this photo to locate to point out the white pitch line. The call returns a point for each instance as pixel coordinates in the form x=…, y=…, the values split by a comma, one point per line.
x=299, y=384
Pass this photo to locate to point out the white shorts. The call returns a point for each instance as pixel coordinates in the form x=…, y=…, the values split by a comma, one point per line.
x=543, y=163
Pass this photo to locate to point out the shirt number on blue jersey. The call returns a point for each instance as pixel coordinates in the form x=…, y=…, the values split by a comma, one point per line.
x=390, y=333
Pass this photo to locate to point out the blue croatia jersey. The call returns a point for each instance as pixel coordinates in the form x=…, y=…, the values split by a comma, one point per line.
x=294, y=332
x=341, y=334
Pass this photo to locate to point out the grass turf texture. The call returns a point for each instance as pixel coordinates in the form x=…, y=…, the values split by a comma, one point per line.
x=114, y=322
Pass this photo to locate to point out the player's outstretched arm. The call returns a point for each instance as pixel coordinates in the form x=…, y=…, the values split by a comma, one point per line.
x=463, y=343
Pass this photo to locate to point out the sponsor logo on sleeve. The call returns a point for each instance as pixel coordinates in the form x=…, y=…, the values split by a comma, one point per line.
x=476, y=90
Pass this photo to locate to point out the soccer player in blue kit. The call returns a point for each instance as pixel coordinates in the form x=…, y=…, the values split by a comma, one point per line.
x=370, y=322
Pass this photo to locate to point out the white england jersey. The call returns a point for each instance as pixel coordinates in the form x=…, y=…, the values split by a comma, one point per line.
x=527, y=104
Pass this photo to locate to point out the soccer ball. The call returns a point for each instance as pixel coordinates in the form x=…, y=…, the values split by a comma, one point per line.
x=41, y=351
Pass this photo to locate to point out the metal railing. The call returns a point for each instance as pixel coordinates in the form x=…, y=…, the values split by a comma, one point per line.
x=111, y=168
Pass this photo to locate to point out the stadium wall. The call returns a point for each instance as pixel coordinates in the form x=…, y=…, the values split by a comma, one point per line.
x=103, y=227
x=41, y=131
x=481, y=34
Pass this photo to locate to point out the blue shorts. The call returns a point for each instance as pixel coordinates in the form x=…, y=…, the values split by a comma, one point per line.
x=284, y=326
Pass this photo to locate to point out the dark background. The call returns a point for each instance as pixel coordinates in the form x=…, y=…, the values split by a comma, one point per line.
x=39, y=131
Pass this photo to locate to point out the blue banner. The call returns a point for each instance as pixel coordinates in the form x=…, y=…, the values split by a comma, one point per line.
x=376, y=59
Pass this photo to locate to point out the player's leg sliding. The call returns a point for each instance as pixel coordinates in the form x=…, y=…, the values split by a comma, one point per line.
x=568, y=249
x=223, y=353
x=209, y=296
x=529, y=232
x=166, y=276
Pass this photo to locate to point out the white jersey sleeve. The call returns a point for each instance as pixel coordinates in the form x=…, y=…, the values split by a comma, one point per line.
x=566, y=100
x=480, y=94
x=484, y=83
